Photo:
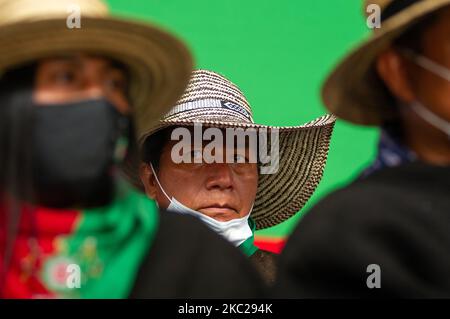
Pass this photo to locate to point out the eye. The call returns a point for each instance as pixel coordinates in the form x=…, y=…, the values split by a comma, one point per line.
x=64, y=77
x=116, y=85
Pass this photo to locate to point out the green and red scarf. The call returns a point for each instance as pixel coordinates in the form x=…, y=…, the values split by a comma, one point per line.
x=107, y=244
x=248, y=246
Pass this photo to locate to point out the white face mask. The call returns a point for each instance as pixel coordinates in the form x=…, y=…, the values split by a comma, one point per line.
x=439, y=70
x=235, y=231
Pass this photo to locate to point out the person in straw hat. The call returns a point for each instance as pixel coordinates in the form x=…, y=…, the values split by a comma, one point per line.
x=224, y=183
x=70, y=225
x=386, y=235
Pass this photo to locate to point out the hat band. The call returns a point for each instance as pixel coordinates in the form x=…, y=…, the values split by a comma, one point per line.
x=395, y=7
x=206, y=104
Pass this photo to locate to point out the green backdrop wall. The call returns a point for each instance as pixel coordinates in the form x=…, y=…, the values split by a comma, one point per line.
x=278, y=53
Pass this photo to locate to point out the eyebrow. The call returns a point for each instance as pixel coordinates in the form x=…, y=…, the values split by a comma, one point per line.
x=63, y=59
x=76, y=60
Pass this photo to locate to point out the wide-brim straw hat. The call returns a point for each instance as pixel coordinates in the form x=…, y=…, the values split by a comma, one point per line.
x=214, y=101
x=159, y=64
x=353, y=91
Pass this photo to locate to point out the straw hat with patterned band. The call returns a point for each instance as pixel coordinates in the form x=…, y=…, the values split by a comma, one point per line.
x=352, y=91
x=159, y=64
x=213, y=101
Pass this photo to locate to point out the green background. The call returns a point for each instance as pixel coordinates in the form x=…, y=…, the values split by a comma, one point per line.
x=278, y=53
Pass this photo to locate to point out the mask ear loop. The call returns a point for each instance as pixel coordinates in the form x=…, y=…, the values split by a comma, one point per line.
x=159, y=184
x=431, y=118
x=427, y=64
x=251, y=209
x=438, y=70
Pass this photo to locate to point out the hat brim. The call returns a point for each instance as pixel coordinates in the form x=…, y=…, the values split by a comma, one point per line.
x=303, y=152
x=353, y=90
x=159, y=64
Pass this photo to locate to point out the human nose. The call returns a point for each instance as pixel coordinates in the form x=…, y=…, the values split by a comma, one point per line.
x=219, y=176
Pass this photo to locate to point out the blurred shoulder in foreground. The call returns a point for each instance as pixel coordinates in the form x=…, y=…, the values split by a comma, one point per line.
x=397, y=219
x=187, y=260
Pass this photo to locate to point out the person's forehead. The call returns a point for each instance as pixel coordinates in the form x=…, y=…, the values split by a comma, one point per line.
x=79, y=59
x=235, y=134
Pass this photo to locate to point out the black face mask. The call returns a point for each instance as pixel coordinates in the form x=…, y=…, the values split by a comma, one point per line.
x=63, y=155
x=74, y=148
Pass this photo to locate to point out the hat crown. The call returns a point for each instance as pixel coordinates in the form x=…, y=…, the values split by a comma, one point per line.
x=211, y=96
x=15, y=11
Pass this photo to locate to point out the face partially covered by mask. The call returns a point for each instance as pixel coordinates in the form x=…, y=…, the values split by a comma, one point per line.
x=74, y=149
x=415, y=71
x=67, y=153
x=64, y=133
x=236, y=231
x=220, y=191
x=418, y=107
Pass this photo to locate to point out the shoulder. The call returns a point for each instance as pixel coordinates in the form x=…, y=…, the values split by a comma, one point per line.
x=187, y=260
x=397, y=219
x=408, y=200
x=416, y=191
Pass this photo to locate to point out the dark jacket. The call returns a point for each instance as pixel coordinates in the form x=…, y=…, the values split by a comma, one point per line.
x=188, y=260
x=398, y=219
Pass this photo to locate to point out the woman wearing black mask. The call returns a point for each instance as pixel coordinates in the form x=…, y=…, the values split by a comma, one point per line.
x=70, y=224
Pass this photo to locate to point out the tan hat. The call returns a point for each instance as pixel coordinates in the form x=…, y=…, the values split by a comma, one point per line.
x=159, y=64
x=214, y=101
x=352, y=91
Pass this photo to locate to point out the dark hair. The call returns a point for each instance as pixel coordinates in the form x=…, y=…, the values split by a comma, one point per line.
x=14, y=84
x=153, y=146
x=14, y=130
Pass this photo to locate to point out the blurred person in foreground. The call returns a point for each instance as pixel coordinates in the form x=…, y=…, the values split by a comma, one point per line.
x=71, y=102
x=386, y=234
x=239, y=176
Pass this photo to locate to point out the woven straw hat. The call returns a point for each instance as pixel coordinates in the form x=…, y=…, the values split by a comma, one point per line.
x=159, y=64
x=352, y=91
x=214, y=101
